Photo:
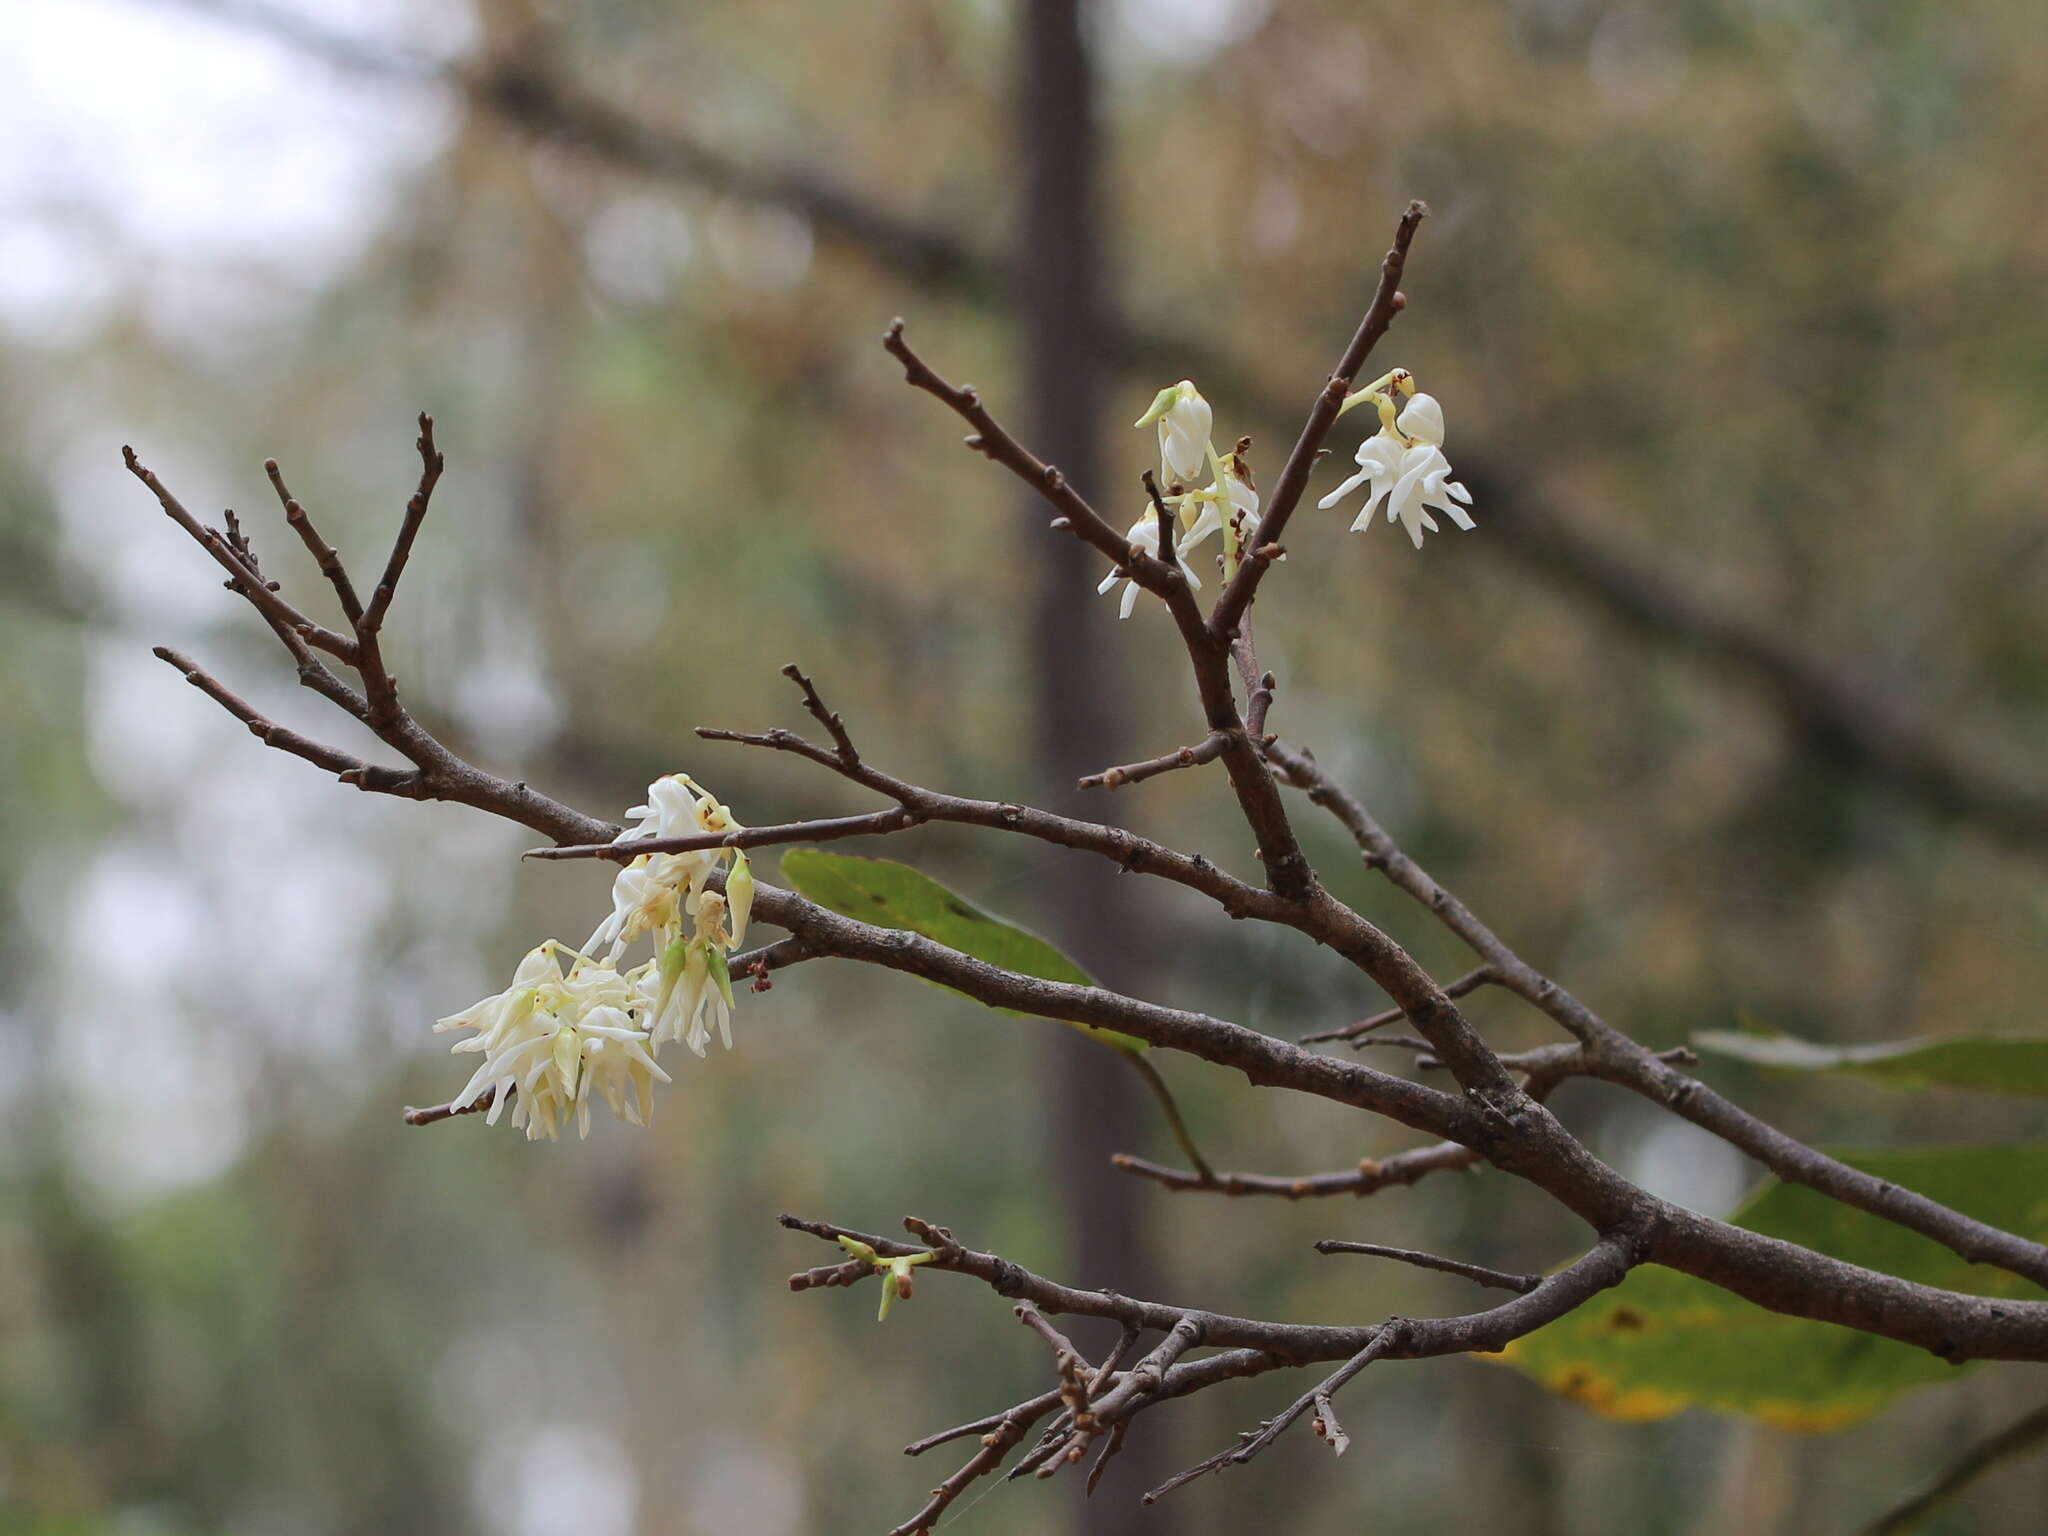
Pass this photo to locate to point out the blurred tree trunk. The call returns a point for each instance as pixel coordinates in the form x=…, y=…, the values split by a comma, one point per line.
x=1080, y=691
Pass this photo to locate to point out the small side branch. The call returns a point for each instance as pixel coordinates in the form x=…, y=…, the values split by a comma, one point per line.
x=345, y=766
x=990, y=437
x=1466, y=984
x=1251, y=1443
x=1207, y=750
x=825, y=830
x=1499, y=1279
x=432, y=462
x=1370, y=1176
x=440, y=1112
x=1416, y=1338
x=995, y=1445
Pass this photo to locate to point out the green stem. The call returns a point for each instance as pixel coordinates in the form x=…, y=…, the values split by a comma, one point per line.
x=1174, y=1122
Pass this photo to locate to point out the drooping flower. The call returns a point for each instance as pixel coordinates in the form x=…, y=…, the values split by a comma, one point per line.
x=653, y=892
x=644, y=898
x=553, y=1038
x=1145, y=534
x=572, y=1029
x=1184, y=420
x=1404, y=463
x=692, y=992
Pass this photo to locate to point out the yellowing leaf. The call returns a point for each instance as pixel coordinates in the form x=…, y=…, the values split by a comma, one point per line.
x=1660, y=1341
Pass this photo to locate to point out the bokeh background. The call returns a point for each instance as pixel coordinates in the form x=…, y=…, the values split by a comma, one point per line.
x=1735, y=703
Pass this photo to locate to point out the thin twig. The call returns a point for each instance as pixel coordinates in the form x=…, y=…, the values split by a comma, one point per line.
x=440, y=1112
x=1499, y=1279
x=826, y=830
x=1251, y=1444
x=1171, y=1109
x=1470, y=982
x=323, y=553
x=1207, y=750
x=995, y=1445
x=1370, y=1176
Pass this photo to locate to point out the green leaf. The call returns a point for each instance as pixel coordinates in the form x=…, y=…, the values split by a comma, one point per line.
x=1988, y=1063
x=892, y=895
x=1660, y=1341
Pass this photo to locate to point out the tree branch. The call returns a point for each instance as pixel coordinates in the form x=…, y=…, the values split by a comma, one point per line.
x=1499, y=1279
x=1614, y=1057
x=1882, y=736
x=1372, y=1174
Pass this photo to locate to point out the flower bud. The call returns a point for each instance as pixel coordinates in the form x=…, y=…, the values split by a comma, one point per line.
x=739, y=896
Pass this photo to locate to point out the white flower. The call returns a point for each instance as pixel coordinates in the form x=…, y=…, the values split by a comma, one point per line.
x=618, y=1065
x=1405, y=464
x=1426, y=482
x=551, y=1039
x=690, y=993
x=651, y=892
x=1145, y=534
x=1379, y=466
x=1184, y=420
x=645, y=897
x=677, y=806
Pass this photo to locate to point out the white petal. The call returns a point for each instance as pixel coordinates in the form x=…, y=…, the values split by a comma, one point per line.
x=1423, y=420
x=1346, y=489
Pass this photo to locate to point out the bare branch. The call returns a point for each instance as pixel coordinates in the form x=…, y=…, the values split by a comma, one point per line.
x=826, y=830
x=349, y=768
x=1207, y=750
x=440, y=1112
x=262, y=595
x=1468, y=983
x=1250, y=1444
x=1615, y=1058
x=1045, y=1402
x=1370, y=1176
x=323, y=553
x=990, y=437
x=829, y=718
x=1499, y=1279
x=995, y=1445
x=1415, y=1339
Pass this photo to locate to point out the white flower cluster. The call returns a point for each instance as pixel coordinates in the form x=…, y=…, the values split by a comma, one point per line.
x=1228, y=504
x=573, y=1026
x=1403, y=463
